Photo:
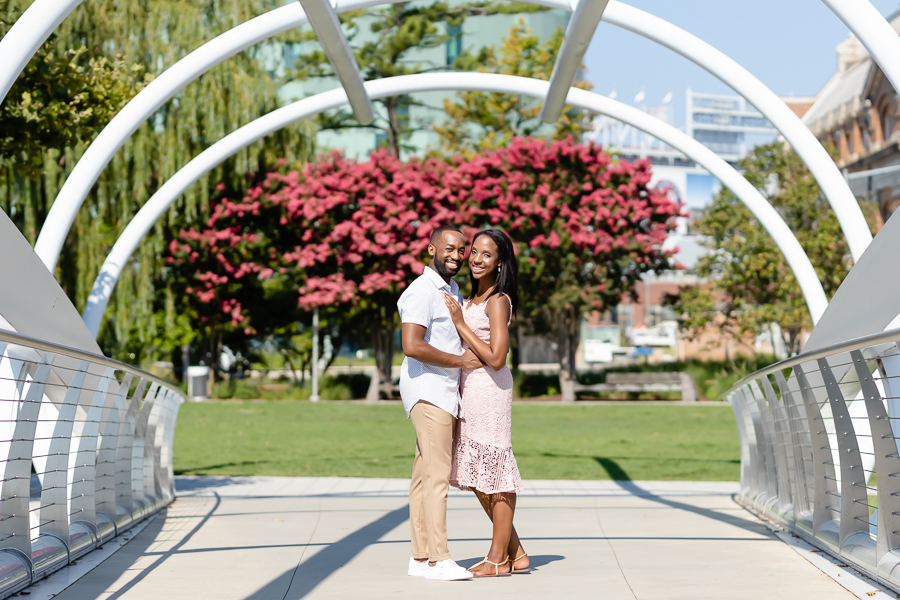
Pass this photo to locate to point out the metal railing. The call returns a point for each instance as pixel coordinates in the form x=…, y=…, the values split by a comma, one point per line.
x=819, y=452
x=85, y=453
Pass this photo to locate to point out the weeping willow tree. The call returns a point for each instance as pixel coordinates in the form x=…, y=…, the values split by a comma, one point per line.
x=122, y=44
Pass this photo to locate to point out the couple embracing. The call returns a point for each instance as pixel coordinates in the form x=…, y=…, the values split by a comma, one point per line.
x=457, y=391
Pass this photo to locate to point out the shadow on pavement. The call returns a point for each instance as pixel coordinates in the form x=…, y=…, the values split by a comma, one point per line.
x=621, y=479
x=201, y=482
x=173, y=550
x=140, y=546
x=310, y=573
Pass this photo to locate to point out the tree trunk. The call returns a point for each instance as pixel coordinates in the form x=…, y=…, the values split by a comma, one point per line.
x=290, y=366
x=568, y=332
x=337, y=340
x=393, y=126
x=383, y=343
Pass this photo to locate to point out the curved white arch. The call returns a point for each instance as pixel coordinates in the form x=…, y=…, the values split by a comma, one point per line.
x=823, y=168
x=157, y=205
x=27, y=35
x=875, y=33
x=100, y=152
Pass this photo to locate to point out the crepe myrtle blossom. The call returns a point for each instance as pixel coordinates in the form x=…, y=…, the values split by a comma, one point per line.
x=585, y=225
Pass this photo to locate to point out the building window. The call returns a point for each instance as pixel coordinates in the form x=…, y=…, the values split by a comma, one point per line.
x=454, y=43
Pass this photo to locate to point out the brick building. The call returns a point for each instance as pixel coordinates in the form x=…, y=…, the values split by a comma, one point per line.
x=857, y=112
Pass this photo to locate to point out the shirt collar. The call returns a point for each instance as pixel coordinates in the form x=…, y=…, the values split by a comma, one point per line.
x=438, y=281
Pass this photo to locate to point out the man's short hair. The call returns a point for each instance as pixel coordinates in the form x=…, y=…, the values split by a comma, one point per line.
x=437, y=233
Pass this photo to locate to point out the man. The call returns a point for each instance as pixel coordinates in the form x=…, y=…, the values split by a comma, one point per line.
x=429, y=387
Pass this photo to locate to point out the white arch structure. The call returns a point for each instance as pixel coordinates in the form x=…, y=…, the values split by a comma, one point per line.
x=101, y=151
x=157, y=205
x=44, y=15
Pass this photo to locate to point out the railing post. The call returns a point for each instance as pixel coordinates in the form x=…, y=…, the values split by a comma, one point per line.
x=124, y=457
x=825, y=495
x=15, y=525
x=151, y=448
x=163, y=459
x=854, y=497
x=800, y=443
x=737, y=405
x=83, y=455
x=887, y=463
x=767, y=427
x=138, y=452
x=51, y=460
x=170, y=441
x=760, y=485
x=105, y=476
x=782, y=444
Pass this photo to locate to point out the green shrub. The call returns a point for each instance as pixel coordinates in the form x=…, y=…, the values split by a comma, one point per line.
x=259, y=389
x=713, y=378
x=330, y=388
x=533, y=385
x=356, y=384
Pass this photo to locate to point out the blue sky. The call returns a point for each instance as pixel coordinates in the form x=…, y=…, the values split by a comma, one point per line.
x=788, y=44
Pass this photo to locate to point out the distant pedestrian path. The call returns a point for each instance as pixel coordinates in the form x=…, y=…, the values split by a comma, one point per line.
x=292, y=537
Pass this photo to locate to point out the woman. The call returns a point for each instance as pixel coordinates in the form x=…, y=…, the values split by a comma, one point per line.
x=483, y=460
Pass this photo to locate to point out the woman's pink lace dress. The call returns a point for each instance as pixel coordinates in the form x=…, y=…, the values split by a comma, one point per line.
x=482, y=450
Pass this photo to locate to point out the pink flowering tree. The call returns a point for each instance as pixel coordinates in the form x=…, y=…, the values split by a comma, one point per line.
x=355, y=234
x=217, y=270
x=347, y=237
x=586, y=227
x=342, y=236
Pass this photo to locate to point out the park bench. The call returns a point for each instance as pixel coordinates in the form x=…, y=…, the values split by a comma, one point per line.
x=644, y=383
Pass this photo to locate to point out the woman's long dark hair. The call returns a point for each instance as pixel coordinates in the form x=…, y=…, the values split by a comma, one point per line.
x=507, y=278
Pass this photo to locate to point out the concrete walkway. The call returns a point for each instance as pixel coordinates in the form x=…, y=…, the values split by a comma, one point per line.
x=278, y=538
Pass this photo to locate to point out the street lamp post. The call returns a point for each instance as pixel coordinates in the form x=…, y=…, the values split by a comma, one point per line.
x=315, y=358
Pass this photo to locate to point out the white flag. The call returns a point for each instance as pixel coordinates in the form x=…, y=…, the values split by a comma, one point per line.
x=639, y=98
x=667, y=98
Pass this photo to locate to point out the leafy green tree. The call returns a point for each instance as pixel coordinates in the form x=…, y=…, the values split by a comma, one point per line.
x=400, y=35
x=61, y=99
x=123, y=41
x=482, y=120
x=749, y=283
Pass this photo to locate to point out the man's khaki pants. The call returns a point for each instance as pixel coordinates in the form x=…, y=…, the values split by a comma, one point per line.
x=430, y=481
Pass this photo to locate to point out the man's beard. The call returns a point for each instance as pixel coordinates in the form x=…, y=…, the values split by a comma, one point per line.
x=442, y=270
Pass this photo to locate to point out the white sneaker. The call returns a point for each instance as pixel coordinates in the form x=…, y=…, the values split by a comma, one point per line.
x=447, y=570
x=416, y=568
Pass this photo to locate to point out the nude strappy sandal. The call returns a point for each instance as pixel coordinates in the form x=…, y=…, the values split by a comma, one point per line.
x=497, y=566
x=514, y=570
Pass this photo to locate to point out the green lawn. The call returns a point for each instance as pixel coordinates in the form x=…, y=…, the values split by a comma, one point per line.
x=550, y=442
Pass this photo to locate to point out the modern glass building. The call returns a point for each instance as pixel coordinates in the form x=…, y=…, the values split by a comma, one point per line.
x=474, y=34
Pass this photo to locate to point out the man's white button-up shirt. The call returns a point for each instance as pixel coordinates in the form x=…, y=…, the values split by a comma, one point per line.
x=423, y=304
